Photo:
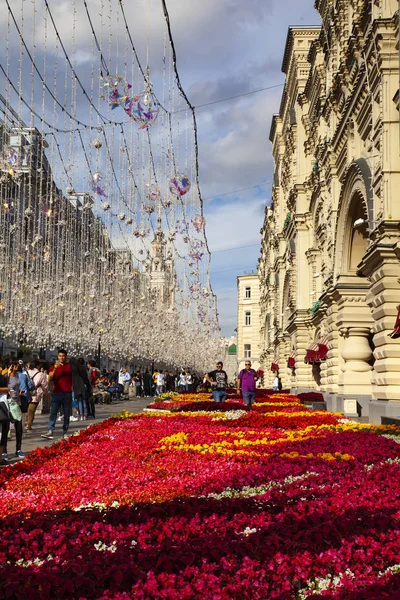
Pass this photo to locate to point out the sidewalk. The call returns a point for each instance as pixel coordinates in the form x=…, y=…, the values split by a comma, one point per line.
x=103, y=411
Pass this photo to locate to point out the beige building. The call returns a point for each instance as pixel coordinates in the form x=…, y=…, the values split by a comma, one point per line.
x=248, y=329
x=330, y=264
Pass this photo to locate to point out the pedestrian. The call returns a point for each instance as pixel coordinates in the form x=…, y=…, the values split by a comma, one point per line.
x=160, y=383
x=124, y=379
x=39, y=380
x=147, y=382
x=247, y=382
x=189, y=382
x=14, y=387
x=182, y=382
x=219, y=381
x=61, y=398
x=275, y=383
x=81, y=387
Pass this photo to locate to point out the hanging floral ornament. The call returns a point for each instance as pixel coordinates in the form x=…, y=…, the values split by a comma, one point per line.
x=196, y=249
x=199, y=223
x=115, y=90
x=152, y=192
x=129, y=222
x=144, y=231
x=70, y=190
x=11, y=160
x=105, y=206
x=181, y=226
x=97, y=184
x=149, y=208
x=143, y=108
x=121, y=216
x=97, y=144
x=179, y=185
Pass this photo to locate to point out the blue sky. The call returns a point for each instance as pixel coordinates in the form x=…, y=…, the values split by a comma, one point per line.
x=225, y=48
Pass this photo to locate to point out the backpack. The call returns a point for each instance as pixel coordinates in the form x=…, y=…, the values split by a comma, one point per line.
x=31, y=386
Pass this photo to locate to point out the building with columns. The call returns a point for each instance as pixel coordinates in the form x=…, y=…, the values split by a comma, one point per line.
x=248, y=328
x=330, y=264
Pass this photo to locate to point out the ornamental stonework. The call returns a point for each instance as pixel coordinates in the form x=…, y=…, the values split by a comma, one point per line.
x=337, y=210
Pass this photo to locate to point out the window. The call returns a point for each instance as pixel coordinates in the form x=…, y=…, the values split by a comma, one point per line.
x=247, y=317
x=247, y=293
x=247, y=350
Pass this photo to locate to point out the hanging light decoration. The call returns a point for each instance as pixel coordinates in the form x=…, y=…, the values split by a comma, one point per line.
x=96, y=182
x=199, y=223
x=143, y=108
x=179, y=185
x=115, y=90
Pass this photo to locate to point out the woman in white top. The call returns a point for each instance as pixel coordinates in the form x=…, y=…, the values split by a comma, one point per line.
x=182, y=382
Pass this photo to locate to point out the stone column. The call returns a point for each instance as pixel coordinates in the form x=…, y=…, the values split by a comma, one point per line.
x=355, y=376
x=381, y=265
x=354, y=322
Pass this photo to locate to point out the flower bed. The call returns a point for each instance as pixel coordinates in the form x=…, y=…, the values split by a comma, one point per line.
x=284, y=503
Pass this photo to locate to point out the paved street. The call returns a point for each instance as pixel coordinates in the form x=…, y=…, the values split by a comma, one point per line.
x=103, y=411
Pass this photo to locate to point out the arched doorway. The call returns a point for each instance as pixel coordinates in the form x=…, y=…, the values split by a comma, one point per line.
x=354, y=320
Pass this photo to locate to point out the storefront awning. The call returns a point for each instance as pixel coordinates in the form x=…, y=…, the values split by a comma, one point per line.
x=291, y=361
x=396, y=331
x=311, y=356
x=317, y=352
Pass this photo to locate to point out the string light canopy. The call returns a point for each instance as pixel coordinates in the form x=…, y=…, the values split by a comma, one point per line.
x=102, y=227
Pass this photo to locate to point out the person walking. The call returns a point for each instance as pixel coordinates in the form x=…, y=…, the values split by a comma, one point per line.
x=275, y=383
x=148, y=382
x=124, y=379
x=61, y=376
x=39, y=380
x=247, y=382
x=160, y=383
x=14, y=385
x=219, y=381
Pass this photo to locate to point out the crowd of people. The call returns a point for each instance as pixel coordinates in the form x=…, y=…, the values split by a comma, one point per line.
x=69, y=390
x=75, y=386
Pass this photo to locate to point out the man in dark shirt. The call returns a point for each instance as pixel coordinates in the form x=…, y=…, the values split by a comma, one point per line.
x=61, y=375
x=218, y=380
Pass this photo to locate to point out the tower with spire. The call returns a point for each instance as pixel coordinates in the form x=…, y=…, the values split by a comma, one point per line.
x=159, y=268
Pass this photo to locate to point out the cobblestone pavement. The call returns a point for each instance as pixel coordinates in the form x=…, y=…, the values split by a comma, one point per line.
x=103, y=411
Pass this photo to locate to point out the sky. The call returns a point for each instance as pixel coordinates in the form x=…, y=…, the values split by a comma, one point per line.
x=226, y=48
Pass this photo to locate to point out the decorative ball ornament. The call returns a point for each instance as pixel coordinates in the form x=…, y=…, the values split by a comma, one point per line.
x=129, y=222
x=105, y=206
x=115, y=91
x=199, y=223
x=97, y=184
x=11, y=160
x=149, y=208
x=152, y=192
x=97, y=144
x=70, y=190
x=181, y=226
x=121, y=216
x=179, y=185
x=143, y=108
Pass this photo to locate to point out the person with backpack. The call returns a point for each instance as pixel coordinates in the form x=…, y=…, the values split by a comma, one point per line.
x=39, y=393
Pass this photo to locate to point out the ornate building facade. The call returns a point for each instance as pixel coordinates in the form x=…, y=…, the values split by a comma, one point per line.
x=330, y=264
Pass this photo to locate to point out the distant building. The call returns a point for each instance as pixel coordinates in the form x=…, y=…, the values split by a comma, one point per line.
x=248, y=329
